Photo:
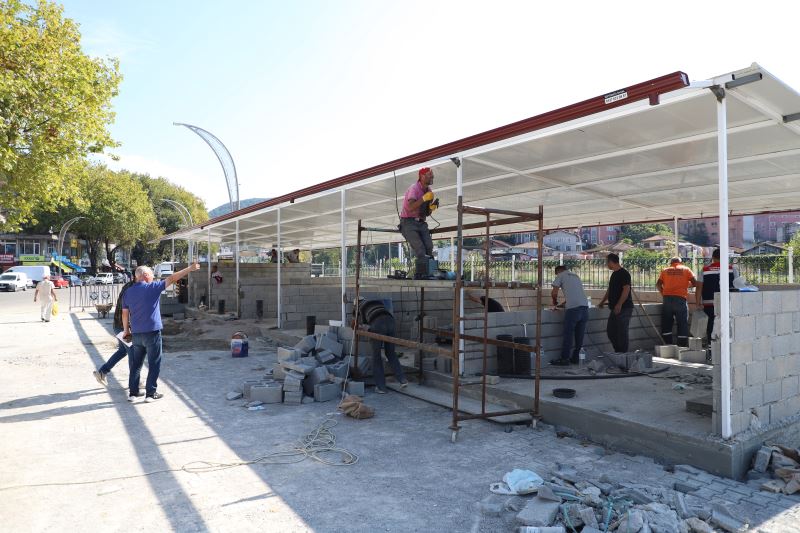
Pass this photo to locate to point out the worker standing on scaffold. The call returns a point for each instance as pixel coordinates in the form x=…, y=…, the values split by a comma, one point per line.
x=418, y=204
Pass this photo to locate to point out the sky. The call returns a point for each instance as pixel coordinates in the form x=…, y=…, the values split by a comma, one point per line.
x=305, y=91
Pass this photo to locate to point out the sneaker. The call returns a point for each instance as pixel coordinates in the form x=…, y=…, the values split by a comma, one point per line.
x=380, y=391
x=404, y=384
x=100, y=377
x=153, y=397
x=560, y=362
x=132, y=397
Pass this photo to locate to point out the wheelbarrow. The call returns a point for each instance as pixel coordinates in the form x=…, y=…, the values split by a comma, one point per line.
x=103, y=309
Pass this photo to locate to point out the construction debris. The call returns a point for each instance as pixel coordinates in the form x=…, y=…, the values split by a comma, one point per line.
x=780, y=466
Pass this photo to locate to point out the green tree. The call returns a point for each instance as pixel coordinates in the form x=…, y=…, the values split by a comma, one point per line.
x=638, y=232
x=55, y=108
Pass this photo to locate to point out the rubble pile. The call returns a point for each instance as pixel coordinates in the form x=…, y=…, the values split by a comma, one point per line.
x=571, y=501
x=316, y=367
x=776, y=469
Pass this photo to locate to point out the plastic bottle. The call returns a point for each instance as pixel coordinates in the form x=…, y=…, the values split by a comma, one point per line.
x=582, y=357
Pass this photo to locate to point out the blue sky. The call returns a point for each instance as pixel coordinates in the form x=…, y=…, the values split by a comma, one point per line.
x=305, y=91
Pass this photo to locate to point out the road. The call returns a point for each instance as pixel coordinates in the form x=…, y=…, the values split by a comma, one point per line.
x=21, y=302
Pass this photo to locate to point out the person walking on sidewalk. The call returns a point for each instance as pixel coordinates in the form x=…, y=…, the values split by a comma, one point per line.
x=673, y=284
x=122, y=349
x=620, y=303
x=141, y=318
x=47, y=292
x=576, y=317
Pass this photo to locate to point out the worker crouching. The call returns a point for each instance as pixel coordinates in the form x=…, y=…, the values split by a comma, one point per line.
x=376, y=318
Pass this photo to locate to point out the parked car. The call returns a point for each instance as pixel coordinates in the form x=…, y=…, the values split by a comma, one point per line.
x=103, y=278
x=13, y=281
x=59, y=281
x=120, y=277
x=74, y=281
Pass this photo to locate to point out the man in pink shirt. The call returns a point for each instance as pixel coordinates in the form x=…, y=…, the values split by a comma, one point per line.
x=416, y=208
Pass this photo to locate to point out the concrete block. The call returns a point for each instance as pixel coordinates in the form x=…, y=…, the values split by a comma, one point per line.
x=278, y=372
x=326, y=343
x=325, y=357
x=756, y=372
x=292, y=385
x=783, y=323
x=741, y=352
x=267, y=393
x=297, y=366
x=772, y=301
x=762, y=458
x=325, y=392
x=338, y=369
x=320, y=329
x=789, y=300
x=772, y=391
x=762, y=348
x=292, y=398
x=744, y=328
x=538, y=512
x=667, y=351
x=753, y=396
x=695, y=343
x=287, y=354
x=345, y=333
x=355, y=387
x=790, y=387
x=247, y=385
x=776, y=368
x=306, y=344
x=765, y=325
x=309, y=360
x=692, y=356
x=444, y=364
x=738, y=377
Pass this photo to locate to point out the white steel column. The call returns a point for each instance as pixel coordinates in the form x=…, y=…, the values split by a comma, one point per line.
x=343, y=261
x=280, y=308
x=208, y=260
x=238, y=301
x=459, y=194
x=677, y=238
x=172, y=256
x=724, y=310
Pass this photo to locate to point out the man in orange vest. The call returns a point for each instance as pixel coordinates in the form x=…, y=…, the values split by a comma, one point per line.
x=673, y=284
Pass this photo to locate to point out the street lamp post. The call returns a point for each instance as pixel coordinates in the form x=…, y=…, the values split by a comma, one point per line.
x=187, y=221
x=62, y=234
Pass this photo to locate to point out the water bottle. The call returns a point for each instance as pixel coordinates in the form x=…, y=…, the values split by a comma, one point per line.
x=589, y=302
x=582, y=357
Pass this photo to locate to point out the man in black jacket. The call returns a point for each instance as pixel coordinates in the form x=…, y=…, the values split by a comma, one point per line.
x=122, y=350
x=377, y=319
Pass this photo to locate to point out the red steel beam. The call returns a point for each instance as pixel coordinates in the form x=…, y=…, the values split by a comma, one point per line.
x=649, y=90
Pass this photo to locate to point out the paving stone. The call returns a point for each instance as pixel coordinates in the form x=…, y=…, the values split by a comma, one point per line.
x=233, y=395
x=686, y=486
x=538, y=512
x=689, y=469
x=696, y=525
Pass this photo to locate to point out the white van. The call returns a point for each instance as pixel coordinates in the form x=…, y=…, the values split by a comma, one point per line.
x=162, y=270
x=13, y=281
x=34, y=273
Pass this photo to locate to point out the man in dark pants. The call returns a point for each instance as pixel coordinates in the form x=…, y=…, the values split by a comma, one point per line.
x=141, y=320
x=412, y=221
x=620, y=303
x=576, y=317
x=708, y=285
x=377, y=319
x=122, y=348
x=673, y=284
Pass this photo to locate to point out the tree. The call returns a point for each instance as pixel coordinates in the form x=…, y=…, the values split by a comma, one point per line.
x=55, y=108
x=116, y=210
x=638, y=232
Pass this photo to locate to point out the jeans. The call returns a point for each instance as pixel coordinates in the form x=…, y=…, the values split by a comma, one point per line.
x=677, y=308
x=709, y=311
x=150, y=344
x=575, y=320
x=116, y=357
x=384, y=325
x=419, y=238
x=617, y=329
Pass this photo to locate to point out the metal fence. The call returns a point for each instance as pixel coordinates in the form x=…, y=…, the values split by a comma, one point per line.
x=756, y=269
x=87, y=296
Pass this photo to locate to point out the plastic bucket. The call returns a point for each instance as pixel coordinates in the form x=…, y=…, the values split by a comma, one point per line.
x=240, y=346
x=522, y=360
x=505, y=356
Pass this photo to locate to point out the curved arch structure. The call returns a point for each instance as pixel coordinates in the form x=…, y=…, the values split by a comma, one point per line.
x=225, y=160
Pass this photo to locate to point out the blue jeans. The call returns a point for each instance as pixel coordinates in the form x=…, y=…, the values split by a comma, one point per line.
x=150, y=344
x=119, y=355
x=675, y=308
x=384, y=325
x=575, y=321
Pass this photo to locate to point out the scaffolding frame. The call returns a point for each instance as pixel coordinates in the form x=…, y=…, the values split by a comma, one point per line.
x=458, y=336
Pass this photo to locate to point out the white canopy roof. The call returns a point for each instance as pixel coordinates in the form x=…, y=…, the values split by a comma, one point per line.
x=631, y=163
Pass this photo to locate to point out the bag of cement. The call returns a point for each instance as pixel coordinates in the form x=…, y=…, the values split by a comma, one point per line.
x=518, y=482
x=354, y=406
x=698, y=323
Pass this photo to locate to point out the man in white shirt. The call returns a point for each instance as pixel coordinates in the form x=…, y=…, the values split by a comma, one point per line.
x=47, y=291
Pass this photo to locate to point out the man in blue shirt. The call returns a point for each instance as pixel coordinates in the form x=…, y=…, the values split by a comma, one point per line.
x=141, y=318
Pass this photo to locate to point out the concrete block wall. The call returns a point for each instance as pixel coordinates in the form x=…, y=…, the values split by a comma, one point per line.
x=642, y=335
x=765, y=358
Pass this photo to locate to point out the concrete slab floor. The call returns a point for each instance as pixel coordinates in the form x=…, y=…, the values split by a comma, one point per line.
x=60, y=428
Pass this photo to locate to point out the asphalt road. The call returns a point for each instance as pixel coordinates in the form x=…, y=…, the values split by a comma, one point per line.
x=21, y=302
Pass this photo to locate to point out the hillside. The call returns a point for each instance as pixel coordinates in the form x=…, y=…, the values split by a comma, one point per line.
x=225, y=208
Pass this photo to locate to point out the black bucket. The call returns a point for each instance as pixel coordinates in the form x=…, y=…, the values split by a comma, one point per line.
x=311, y=324
x=522, y=360
x=505, y=356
